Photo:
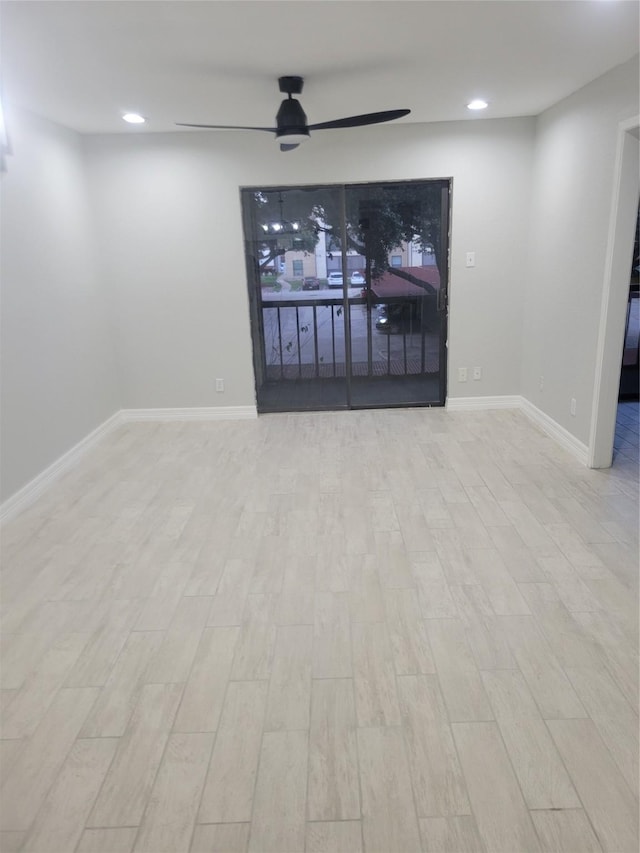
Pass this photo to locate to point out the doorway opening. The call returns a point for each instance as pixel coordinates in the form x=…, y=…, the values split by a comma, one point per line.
x=348, y=294
x=622, y=223
x=626, y=441
x=630, y=373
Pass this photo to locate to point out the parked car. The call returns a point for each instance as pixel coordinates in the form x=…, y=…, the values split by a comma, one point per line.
x=334, y=279
x=310, y=282
x=356, y=279
x=397, y=317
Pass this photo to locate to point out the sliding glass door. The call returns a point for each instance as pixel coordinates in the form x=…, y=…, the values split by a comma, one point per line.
x=347, y=288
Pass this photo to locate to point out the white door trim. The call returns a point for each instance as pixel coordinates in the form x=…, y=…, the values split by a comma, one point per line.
x=622, y=219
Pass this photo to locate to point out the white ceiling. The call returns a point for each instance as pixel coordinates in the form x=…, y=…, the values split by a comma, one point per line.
x=84, y=63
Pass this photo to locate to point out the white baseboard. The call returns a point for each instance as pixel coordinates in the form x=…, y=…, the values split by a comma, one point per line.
x=562, y=436
x=200, y=413
x=480, y=404
x=34, y=488
x=30, y=492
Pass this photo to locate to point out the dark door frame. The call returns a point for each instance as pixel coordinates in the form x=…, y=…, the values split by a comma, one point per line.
x=255, y=305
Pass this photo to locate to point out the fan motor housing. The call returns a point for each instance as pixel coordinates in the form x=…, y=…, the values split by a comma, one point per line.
x=291, y=119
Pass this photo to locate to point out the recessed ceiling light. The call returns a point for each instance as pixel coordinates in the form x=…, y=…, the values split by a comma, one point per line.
x=477, y=104
x=133, y=118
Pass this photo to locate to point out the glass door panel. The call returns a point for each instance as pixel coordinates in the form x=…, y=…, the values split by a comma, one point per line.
x=296, y=297
x=398, y=321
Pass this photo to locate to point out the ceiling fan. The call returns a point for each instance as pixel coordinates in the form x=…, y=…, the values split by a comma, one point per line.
x=291, y=122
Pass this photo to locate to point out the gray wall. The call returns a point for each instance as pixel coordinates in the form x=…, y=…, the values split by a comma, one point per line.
x=169, y=221
x=57, y=346
x=573, y=183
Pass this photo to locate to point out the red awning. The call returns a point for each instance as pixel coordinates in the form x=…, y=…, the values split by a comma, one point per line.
x=393, y=285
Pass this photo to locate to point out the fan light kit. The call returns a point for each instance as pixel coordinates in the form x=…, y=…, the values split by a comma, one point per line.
x=133, y=118
x=291, y=122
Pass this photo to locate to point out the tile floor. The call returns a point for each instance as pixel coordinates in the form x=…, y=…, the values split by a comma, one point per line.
x=625, y=443
x=394, y=631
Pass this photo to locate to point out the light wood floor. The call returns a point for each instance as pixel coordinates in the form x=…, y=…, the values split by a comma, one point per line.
x=385, y=631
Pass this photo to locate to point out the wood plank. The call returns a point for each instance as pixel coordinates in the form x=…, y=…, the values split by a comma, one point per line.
x=388, y=814
x=228, y=791
x=279, y=811
x=333, y=759
x=127, y=787
x=171, y=811
x=606, y=798
x=498, y=806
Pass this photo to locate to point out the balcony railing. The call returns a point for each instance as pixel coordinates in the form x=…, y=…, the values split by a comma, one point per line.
x=304, y=337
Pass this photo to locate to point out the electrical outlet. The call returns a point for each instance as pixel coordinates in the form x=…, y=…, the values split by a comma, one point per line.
x=220, y=386
x=541, y=383
x=462, y=374
x=471, y=259
x=477, y=373
x=572, y=407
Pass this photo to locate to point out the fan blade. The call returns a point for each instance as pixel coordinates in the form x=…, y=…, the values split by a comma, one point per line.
x=285, y=147
x=359, y=121
x=226, y=127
